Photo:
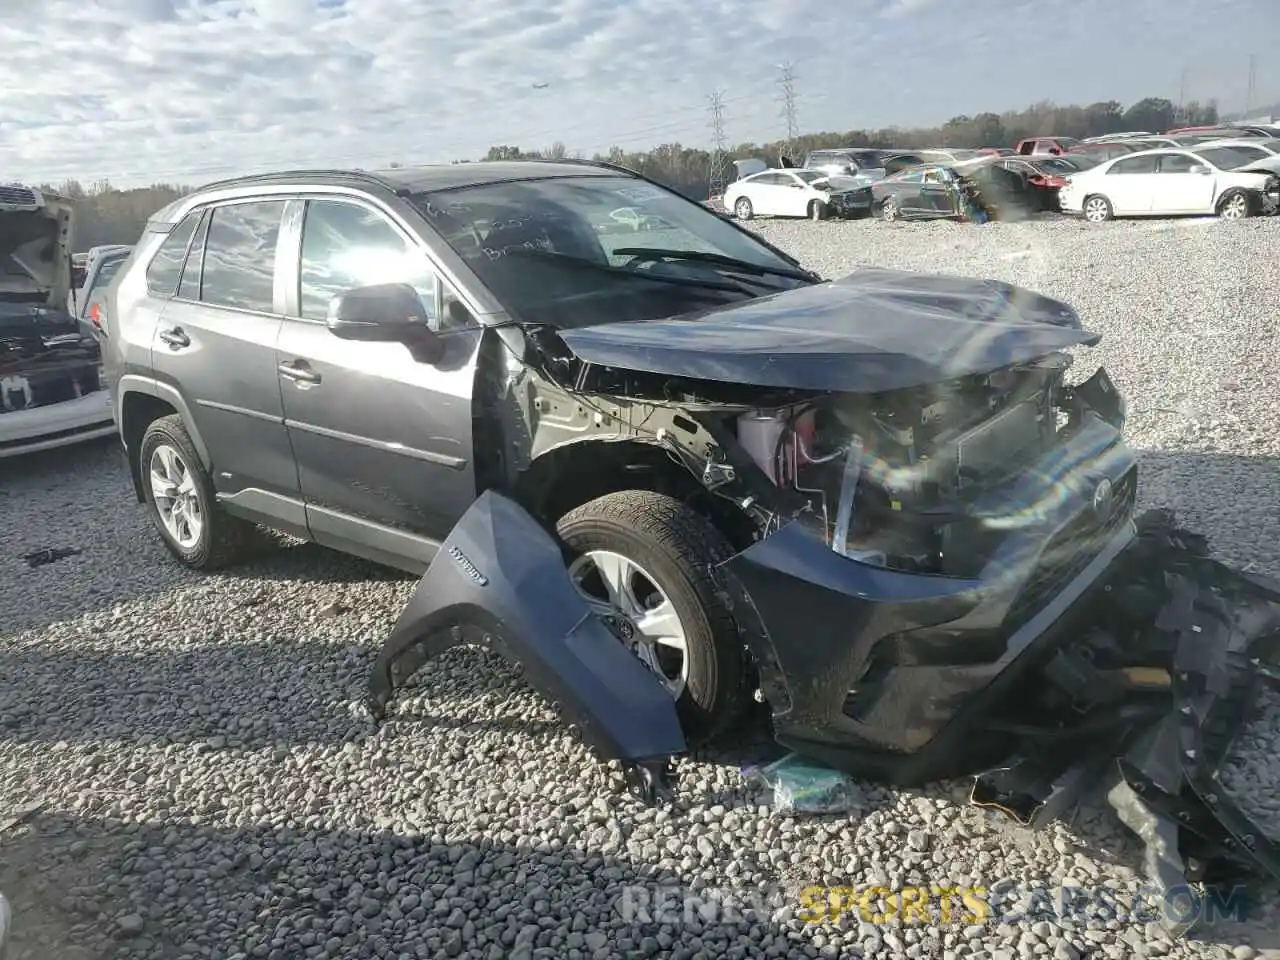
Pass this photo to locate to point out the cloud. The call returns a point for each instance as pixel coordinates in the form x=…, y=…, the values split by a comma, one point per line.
x=184, y=90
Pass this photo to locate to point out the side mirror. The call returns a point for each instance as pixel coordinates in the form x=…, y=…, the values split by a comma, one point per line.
x=1201, y=169
x=385, y=313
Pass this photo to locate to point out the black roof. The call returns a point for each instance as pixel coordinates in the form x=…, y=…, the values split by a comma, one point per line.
x=431, y=177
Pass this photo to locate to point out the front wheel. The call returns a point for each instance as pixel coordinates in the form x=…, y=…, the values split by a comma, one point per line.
x=742, y=209
x=1235, y=205
x=817, y=210
x=889, y=210
x=643, y=563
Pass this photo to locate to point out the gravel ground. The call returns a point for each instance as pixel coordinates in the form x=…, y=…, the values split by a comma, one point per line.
x=190, y=779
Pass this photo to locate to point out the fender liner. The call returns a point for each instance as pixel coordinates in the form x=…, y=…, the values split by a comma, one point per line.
x=500, y=581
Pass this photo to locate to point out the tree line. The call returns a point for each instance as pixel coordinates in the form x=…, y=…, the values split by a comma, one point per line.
x=107, y=215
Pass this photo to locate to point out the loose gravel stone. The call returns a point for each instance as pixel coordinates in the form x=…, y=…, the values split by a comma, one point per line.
x=210, y=787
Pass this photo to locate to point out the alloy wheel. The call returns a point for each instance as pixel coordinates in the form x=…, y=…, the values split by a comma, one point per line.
x=176, y=496
x=889, y=210
x=1095, y=211
x=1237, y=208
x=635, y=607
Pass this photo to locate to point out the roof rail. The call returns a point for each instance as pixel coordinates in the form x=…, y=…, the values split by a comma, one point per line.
x=316, y=173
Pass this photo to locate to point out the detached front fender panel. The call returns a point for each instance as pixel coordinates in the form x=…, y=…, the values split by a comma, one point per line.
x=500, y=579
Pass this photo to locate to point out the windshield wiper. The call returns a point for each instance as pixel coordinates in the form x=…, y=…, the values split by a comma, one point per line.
x=569, y=259
x=700, y=256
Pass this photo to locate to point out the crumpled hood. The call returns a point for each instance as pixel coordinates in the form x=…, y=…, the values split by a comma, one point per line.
x=1270, y=165
x=874, y=330
x=35, y=251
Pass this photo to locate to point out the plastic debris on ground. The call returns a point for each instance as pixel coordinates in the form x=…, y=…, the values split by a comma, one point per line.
x=802, y=786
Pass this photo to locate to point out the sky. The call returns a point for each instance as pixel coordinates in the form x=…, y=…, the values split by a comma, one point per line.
x=143, y=91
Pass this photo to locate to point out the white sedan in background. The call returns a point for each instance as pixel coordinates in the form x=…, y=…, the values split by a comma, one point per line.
x=1165, y=183
x=791, y=192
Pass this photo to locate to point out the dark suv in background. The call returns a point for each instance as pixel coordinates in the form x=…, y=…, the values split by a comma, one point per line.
x=708, y=436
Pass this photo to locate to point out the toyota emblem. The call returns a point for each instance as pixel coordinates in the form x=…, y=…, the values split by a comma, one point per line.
x=1104, y=496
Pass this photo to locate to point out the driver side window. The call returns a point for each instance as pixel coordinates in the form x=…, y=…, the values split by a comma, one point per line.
x=346, y=245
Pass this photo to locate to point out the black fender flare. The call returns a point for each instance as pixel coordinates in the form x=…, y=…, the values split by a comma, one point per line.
x=500, y=580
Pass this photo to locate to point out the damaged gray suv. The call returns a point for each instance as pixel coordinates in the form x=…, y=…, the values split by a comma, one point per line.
x=879, y=505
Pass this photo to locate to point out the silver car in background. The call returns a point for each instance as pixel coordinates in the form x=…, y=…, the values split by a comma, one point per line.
x=861, y=163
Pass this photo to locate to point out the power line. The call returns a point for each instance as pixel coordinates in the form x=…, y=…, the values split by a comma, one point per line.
x=787, y=81
x=718, y=176
x=1248, y=98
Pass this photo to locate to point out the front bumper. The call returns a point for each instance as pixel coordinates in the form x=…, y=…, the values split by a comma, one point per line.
x=883, y=671
x=56, y=424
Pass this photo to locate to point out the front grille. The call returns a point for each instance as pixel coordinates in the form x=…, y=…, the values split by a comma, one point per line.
x=18, y=196
x=1069, y=551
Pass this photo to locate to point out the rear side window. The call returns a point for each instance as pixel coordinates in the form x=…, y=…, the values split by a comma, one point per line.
x=1134, y=165
x=240, y=256
x=166, y=266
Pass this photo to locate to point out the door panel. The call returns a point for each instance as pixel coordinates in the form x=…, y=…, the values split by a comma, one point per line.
x=1130, y=184
x=379, y=437
x=216, y=344
x=1178, y=190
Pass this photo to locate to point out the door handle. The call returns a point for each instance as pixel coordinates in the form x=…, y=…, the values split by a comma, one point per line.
x=175, y=337
x=298, y=372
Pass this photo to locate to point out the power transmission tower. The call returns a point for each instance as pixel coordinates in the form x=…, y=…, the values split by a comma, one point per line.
x=1182, y=99
x=787, y=81
x=718, y=177
x=1248, y=98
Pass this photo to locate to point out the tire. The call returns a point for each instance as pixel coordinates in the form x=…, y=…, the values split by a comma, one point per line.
x=1236, y=205
x=673, y=548
x=220, y=539
x=1097, y=209
x=742, y=209
x=889, y=211
x=817, y=211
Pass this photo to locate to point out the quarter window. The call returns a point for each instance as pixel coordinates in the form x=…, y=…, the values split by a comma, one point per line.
x=240, y=256
x=166, y=266
x=347, y=245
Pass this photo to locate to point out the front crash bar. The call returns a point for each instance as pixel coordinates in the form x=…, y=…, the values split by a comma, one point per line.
x=1217, y=633
x=499, y=581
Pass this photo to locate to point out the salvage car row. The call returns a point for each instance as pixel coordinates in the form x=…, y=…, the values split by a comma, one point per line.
x=1231, y=173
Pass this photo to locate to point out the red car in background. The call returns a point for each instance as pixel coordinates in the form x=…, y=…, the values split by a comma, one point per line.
x=1042, y=146
x=1044, y=175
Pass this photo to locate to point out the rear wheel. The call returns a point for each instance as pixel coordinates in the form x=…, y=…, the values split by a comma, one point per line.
x=742, y=209
x=1097, y=209
x=1235, y=205
x=817, y=210
x=180, y=497
x=642, y=562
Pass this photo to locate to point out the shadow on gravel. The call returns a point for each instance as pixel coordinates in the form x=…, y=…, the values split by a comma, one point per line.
x=102, y=888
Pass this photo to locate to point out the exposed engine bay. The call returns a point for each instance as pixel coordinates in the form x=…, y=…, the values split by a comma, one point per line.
x=891, y=474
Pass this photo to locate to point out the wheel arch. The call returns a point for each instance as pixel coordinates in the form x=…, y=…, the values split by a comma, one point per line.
x=573, y=473
x=142, y=402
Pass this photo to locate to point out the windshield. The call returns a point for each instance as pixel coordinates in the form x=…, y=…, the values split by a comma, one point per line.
x=545, y=249
x=1227, y=158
